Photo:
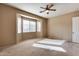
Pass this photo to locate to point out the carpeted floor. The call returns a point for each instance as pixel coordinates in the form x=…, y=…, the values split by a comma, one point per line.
x=26, y=48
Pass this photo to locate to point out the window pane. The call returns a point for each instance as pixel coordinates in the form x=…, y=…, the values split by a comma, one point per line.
x=25, y=26
x=38, y=27
x=19, y=25
x=32, y=26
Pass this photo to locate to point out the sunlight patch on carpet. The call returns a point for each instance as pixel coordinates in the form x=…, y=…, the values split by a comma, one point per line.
x=49, y=47
x=52, y=41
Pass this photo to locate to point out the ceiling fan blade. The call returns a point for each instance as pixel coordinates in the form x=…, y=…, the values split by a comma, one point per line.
x=42, y=7
x=52, y=9
x=47, y=6
x=42, y=11
x=50, y=5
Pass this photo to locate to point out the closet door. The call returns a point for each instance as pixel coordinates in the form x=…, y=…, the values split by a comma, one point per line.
x=75, y=29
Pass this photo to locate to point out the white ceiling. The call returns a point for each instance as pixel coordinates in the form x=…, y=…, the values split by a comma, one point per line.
x=61, y=8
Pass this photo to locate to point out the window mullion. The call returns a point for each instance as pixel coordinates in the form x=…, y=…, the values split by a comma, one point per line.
x=29, y=25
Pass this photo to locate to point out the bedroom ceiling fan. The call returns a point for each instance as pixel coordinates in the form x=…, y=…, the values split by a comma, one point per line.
x=47, y=8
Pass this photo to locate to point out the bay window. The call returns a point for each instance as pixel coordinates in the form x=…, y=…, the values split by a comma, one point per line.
x=28, y=25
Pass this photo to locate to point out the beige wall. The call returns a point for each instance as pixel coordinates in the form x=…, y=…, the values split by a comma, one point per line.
x=29, y=35
x=8, y=24
x=0, y=24
x=60, y=27
x=45, y=28
x=26, y=36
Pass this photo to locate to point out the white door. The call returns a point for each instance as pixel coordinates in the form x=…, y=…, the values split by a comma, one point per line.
x=75, y=29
